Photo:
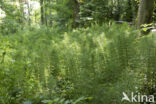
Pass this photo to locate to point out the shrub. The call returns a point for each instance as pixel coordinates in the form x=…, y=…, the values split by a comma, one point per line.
x=91, y=65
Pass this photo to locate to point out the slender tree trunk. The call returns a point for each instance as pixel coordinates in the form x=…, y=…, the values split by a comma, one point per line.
x=42, y=12
x=76, y=12
x=21, y=11
x=29, y=19
x=50, y=15
x=22, y=18
x=145, y=12
x=45, y=12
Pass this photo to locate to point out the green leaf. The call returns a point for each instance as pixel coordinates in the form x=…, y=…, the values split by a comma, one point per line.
x=144, y=29
x=79, y=99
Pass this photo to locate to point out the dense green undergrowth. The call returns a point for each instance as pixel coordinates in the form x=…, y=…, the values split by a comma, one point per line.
x=84, y=66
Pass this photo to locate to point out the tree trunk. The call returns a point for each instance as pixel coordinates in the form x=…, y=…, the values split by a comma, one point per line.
x=42, y=12
x=22, y=14
x=145, y=12
x=76, y=12
x=50, y=14
x=45, y=13
x=28, y=6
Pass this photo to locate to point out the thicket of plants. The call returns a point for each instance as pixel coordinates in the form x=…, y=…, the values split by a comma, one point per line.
x=76, y=51
x=91, y=65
